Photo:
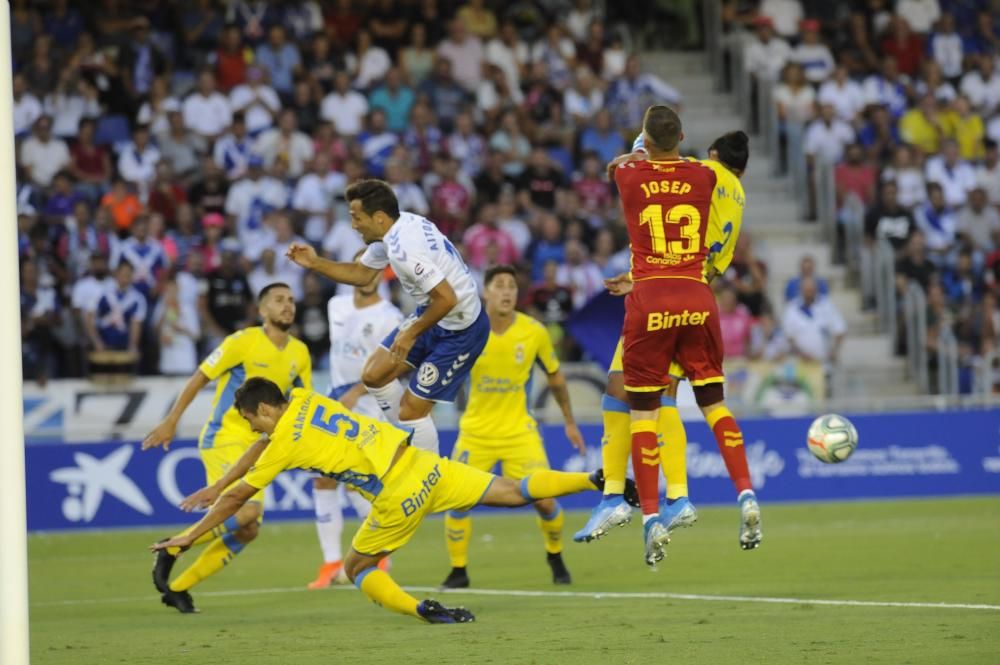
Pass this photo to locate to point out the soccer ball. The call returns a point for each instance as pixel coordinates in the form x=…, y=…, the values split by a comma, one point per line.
x=832, y=438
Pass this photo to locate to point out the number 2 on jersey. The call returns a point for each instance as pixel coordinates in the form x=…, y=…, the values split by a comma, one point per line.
x=684, y=214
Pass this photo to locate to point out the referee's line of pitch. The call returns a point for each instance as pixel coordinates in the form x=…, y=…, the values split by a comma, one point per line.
x=594, y=595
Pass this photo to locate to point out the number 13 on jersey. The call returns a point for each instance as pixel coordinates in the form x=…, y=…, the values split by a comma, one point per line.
x=686, y=216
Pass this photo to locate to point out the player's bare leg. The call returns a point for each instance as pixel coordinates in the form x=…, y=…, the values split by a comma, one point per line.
x=400, y=405
x=729, y=438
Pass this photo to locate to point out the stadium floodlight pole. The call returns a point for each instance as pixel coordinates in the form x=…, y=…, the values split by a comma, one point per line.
x=13, y=524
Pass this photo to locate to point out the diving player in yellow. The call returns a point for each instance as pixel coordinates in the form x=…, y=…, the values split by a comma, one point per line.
x=728, y=156
x=497, y=426
x=404, y=483
x=264, y=351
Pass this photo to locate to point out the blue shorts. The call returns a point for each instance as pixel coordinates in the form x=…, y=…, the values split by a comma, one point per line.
x=443, y=358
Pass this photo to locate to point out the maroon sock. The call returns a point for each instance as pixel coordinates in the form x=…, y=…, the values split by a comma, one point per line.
x=730, y=440
x=645, y=465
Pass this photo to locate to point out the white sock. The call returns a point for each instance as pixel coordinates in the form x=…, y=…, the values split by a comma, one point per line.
x=388, y=397
x=425, y=434
x=360, y=504
x=329, y=523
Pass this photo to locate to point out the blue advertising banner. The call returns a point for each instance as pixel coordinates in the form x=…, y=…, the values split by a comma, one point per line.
x=100, y=485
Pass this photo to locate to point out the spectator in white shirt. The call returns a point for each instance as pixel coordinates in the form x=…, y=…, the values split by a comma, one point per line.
x=978, y=222
x=765, y=54
x=409, y=194
x=27, y=108
x=178, y=329
x=558, y=53
x=988, y=175
x=232, y=151
x=845, y=95
x=465, y=53
x=887, y=88
x=919, y=14
x=252, y=197
x=314, y=195
x=982, y=86
x=814, y=56
x=585, y=98
x=786, y=15
x=206, y=111
x=936, y=221
x=373, y=61
x=286, y=141
x=42, y=156
x=813, y=326
x=932, y=82
x=509, y=53
x=945, y=45
x=344, y=107
x=794, y=97
x=257, y=100
x=908, y=177
x=156, y=109
x=827, y=136
x=579, y=274
x=137, y=161
x=955, y=175
x=74, y=100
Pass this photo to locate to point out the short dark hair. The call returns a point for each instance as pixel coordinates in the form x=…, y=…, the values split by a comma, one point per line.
x=270, y=287
x=375, y=196
x=662, y=126
x=256, y=391
x=733, y=149
x=503, y=269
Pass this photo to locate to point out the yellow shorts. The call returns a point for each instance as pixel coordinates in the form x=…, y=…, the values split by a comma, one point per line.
x=675, y=371
x=419, y=484
x=219, y=458
x=519, y=457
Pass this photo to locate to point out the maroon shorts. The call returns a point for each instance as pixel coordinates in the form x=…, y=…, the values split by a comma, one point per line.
x=671, y=319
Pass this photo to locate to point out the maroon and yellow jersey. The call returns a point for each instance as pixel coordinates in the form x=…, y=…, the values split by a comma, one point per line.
x=666, y=206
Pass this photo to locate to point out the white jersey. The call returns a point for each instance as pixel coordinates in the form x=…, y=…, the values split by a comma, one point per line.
x=354, y=335
x=422, y=257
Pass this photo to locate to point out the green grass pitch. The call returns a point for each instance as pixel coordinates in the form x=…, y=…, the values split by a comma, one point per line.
x=92, y=600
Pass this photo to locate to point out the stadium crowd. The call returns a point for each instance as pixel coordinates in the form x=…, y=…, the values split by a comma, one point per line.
x=904, y=97
x=169, y=152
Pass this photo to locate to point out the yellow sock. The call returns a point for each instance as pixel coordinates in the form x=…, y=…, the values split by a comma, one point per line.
x=617, y=444
x=383, y=590
x=228, y=526
x=457, y=531
x=548, y=484
x=552, y=527
x=673, y=452
x=213, y=559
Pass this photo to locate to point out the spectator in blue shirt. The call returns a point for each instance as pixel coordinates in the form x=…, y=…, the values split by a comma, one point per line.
x=807, y=270
x=602, y=138
x=395, y=99
x=548, y=247
x=282, y=61
x=116, y=323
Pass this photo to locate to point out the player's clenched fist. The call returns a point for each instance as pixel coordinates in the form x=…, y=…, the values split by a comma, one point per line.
x=302, y=254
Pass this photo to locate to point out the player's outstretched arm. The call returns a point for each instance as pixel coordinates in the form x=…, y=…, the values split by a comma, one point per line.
x=163, y=433
x=354, y=273
x=227, y=506
x=557, y=384
x=208, y=495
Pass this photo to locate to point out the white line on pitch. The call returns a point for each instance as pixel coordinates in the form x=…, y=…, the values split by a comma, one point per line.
x=595, y=595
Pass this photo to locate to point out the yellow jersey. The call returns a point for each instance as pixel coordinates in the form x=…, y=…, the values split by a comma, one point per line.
x=500, y=382
x=725, y=217
x=319, y=434
x=242, y=355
